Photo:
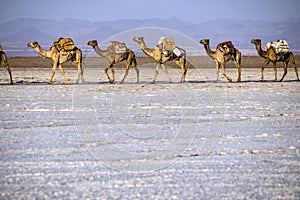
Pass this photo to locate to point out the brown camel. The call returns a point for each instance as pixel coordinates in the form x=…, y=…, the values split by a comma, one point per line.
x=160, y=58
x=114, y=58
x=59, y=58
x=221, y=58
x=271, y=56
x=4, y=63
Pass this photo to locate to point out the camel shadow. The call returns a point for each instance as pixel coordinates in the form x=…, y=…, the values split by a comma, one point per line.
x=269, y=81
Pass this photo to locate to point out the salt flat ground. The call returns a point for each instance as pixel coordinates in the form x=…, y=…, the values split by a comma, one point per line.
x=196, y=140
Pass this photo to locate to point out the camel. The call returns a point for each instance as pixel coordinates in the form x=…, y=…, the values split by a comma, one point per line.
x=59, y=58
x=221, y=59
x=271, y=56
x=4, y=63
x=114, y=58
x=160, y=58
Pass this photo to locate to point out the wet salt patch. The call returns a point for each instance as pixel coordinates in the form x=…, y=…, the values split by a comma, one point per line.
x=261, y=135
x=37, y=109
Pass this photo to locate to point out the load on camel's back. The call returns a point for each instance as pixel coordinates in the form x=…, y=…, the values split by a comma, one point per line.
x=226, y=47
x=64, y=44
x=280, y=46
x=117, y=47
x=167, y=45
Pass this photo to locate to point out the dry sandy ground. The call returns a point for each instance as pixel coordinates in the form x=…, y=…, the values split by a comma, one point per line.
x=196, y=140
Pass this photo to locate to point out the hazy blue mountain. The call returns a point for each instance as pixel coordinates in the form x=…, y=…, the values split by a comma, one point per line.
x=240, y=32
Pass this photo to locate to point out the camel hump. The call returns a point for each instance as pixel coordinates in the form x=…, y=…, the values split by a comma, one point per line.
x=117, y=47
x=65, y=44
x=226, y=47
x=280, y=46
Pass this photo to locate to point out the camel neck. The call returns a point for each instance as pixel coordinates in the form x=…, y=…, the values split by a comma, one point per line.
x=208, y=50
x=146, y=50
x=260, y=51
x=100, y=51
x=42, y=52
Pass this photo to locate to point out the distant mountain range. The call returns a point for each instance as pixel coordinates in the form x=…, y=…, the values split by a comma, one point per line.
x=16, y=34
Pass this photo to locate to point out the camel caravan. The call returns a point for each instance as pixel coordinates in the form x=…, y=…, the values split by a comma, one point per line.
x=64, y=50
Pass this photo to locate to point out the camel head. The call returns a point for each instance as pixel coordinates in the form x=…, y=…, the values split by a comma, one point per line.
x=93, y=43
x=33, y=44
x=138, y=39
x=256, y=41
x=204, y=41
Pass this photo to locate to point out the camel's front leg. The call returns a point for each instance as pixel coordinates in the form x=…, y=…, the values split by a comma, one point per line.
x=262, y=69
x=166, y=72
x=156, y=72
x=217, y=70
x=224, y=73
x=53, y=71
x=110, y=65
x=9, y=73
x=63, y=73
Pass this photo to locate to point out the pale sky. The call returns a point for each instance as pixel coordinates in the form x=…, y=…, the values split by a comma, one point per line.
x=194, y=11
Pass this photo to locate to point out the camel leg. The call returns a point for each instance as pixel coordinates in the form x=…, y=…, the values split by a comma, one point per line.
x=292, y=59
x=106, y=72
x=53, y=71
x=275, y=71
x=134, y=64
x=126, y=71
x=63, y=73
x=217, y=70
x=239, y=71
x=81, y=72
x=156, y=73
x=285, y=65
x=79, y=65
x=181, y=63
x=113, y=74
x=137, y=74
x=166, y=72
x=183, y=72
x=78, y=72
x=9, y=73
x=224, y=73
x=296, y=71
x=262, y=70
